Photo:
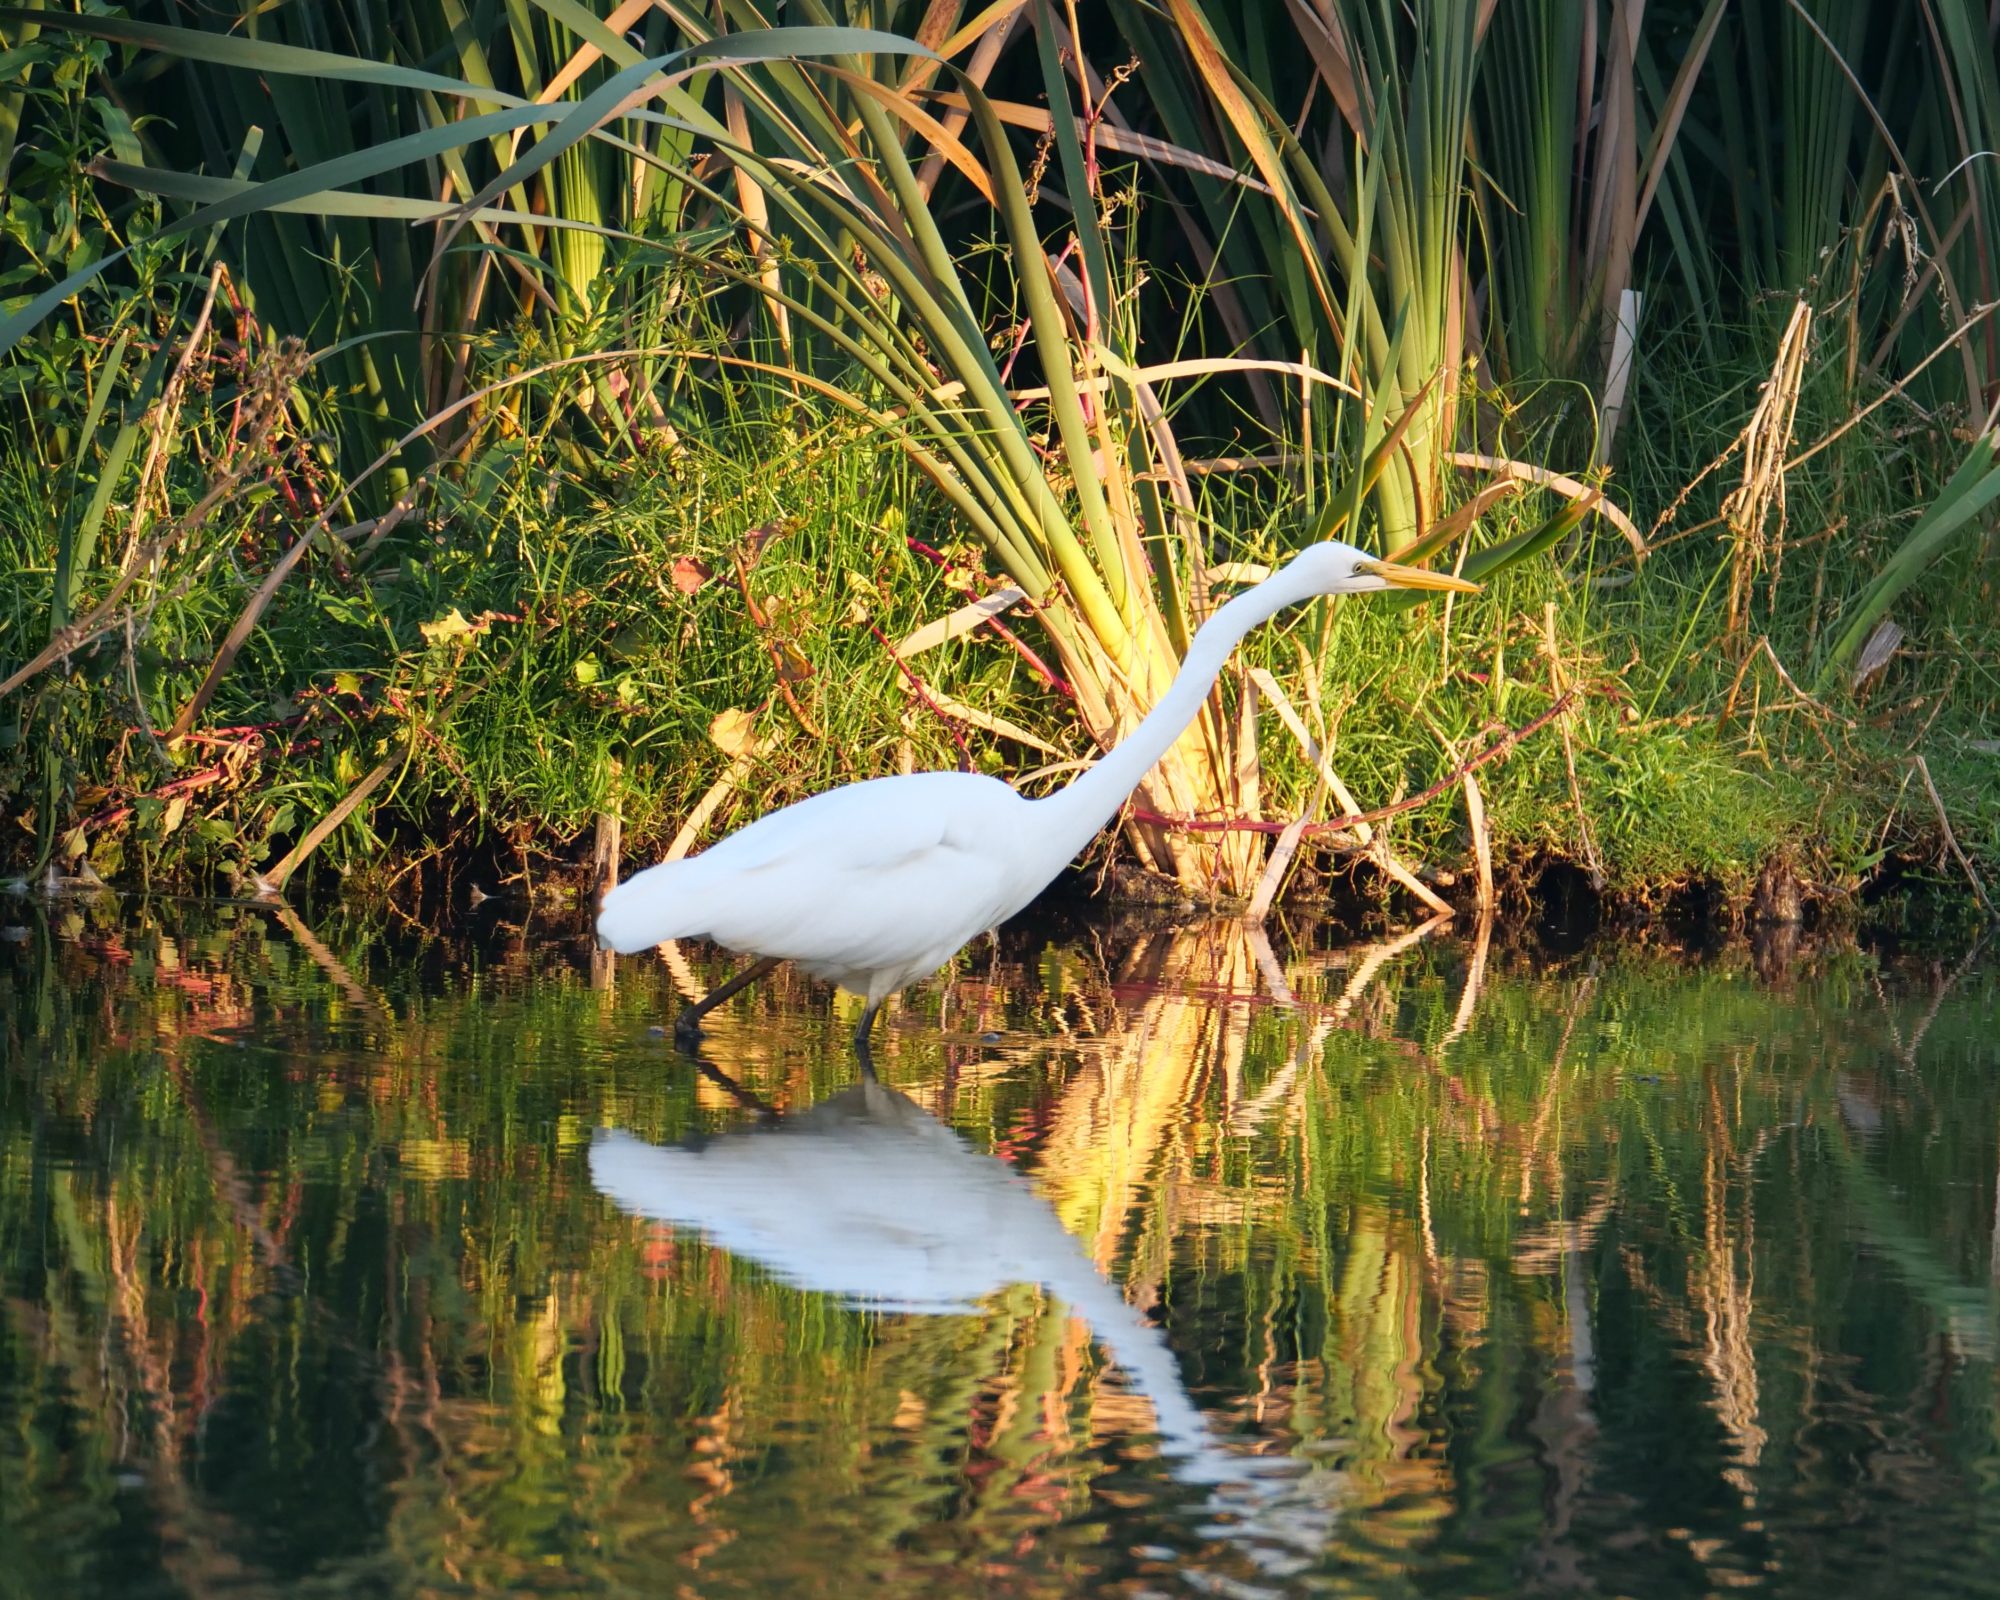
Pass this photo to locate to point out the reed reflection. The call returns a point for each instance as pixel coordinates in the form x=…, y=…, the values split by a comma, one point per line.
x=1621, y=1272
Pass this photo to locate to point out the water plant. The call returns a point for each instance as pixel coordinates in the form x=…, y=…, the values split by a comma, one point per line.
x=495, y=286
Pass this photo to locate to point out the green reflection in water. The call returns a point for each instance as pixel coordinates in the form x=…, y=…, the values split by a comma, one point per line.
x=1469, y=1273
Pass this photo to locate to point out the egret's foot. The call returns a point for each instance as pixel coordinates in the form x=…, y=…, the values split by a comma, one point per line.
x=687, y=1026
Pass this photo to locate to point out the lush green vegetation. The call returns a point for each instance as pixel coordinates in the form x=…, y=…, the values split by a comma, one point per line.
x=447, y=424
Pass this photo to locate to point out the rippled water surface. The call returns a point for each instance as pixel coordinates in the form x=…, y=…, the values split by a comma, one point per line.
x=339, y=1259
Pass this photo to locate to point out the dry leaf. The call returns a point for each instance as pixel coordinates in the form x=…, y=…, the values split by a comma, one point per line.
x=176, y=812
x=792, y=666
x=776, y=611
x=734, y=732
x=761, y=535
x=690, y=574
x=962, y=621
x=452, y=625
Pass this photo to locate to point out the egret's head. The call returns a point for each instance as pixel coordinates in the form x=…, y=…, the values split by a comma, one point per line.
x=1330, y=567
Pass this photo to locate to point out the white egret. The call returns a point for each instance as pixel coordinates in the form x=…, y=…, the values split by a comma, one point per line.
x=870, y=1199
x=875, y=885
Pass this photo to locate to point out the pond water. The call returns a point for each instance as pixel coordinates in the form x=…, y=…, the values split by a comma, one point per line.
x=339, y=1258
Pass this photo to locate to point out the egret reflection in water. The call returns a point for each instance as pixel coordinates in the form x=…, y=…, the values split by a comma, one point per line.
x=869, y=1198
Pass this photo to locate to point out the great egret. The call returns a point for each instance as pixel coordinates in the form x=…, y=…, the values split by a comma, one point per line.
x=876, y=884
x=869, y=1198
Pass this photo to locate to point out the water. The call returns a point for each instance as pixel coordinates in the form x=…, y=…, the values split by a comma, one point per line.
x=339, y=1260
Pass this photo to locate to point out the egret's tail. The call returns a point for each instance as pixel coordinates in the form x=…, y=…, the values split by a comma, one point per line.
x=652, y=906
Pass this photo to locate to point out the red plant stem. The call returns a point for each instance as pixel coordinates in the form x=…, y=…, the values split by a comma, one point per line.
x=241, y=733
x=923, y=694
x=1036, y=664
x=1492, y=752
x=201, y=778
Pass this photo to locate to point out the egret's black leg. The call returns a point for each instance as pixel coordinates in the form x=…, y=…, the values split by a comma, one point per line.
x=861, y=1031
x=687, y=1026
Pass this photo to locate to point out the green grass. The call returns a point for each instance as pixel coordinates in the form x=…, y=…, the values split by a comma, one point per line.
x=595, y=683
x=559, y=625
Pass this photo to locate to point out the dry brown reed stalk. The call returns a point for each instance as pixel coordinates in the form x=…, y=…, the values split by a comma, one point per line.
x=1951, y=838
x=273, y=882
x=1354, y=820
x=166, y=417
x=141, y=555
x=1373, y=844
x=1569, y=488
x=1800, y=701
x=607, y=845
x=1482, y=845
x=285, y=363
x=1558, y=685
x=1242, y=853
x=1957, y=336
x=1280, y=861
x=1747, y=510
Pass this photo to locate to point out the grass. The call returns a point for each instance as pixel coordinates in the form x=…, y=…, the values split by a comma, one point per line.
x=687, y=607
x=557, y=637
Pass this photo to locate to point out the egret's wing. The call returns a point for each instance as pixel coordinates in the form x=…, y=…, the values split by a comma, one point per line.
x=871, y=877
x=867, y=827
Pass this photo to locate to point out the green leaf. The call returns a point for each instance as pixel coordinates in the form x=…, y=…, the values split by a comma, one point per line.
x=251, y=55
x=324, y=176
x=1973, y=487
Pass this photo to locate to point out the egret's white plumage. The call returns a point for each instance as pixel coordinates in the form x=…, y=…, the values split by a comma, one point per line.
x=875, y=885
x=870, y=886
x=869, y=1198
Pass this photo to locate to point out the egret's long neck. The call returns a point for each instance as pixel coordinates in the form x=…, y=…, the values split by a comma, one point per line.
x=1075, y=813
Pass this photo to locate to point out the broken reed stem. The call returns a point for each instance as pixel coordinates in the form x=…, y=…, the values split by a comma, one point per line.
x=1950, y=838
x=1482, y=842
x=923, y=694
x=1558, y=684
x=1322, y=762
x=605, y=850
x=166, y=414
x=607, y=847
x=273, y=882
x=137, y=557
x=246, y=621
x=1491, y=753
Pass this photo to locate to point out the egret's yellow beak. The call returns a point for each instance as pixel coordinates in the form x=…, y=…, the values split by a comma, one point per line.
x=1398, y=576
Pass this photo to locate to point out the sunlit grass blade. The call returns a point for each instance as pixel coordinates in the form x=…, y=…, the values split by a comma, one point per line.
x=1956, y=511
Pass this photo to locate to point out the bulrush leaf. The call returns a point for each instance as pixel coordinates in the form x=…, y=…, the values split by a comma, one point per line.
x=1959, y=507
